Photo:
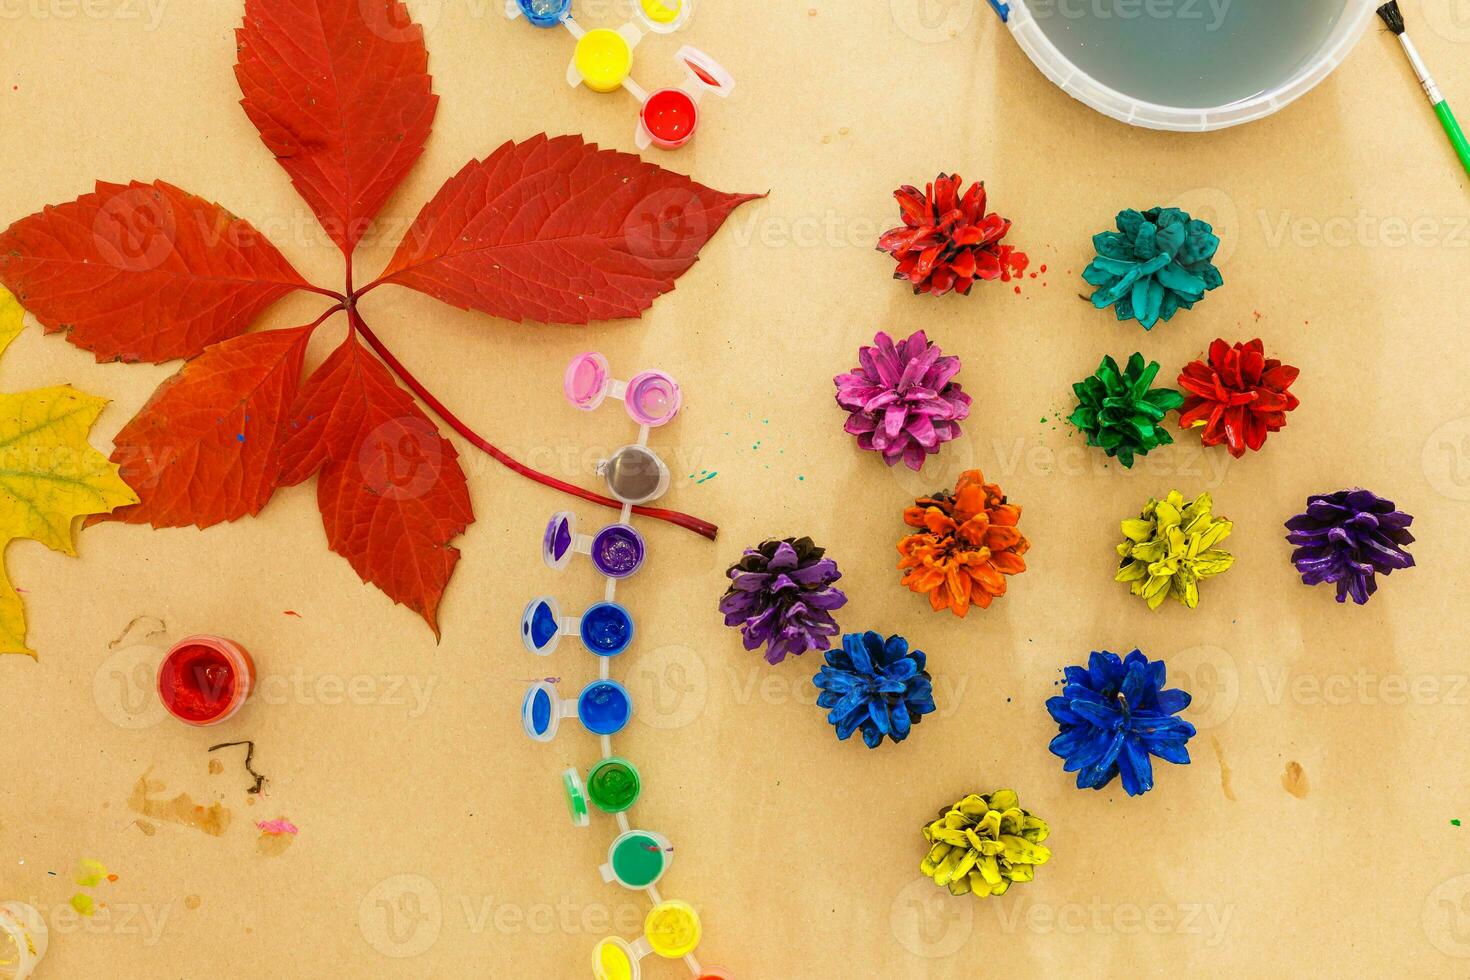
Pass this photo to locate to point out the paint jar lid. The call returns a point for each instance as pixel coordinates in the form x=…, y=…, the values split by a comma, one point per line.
x=707, y=72
x=541, y=625
x=604, y=707
x=635, y=475
x=673, y=929
x=587, y=381
x=653, y=397
x=542, y=13
x=664, y=16
x=614, y=785
x=559, y=543
x=541, y=711
x=637, y=859
x=571, y=784
x=615, y=959
x=618, y=550
x=606, y=629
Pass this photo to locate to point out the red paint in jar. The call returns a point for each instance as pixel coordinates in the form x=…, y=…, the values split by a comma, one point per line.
x=204, y=680
x=670, y=115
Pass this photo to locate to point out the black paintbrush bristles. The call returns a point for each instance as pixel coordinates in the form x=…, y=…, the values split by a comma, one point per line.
x=1392, y=16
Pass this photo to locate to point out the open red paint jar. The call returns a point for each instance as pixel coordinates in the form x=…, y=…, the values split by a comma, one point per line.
x=670, y=115
x=205, y=680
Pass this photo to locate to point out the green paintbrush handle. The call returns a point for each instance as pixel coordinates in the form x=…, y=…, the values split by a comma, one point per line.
x=1455, y=133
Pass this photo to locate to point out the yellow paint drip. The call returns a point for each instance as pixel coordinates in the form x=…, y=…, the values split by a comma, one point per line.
x=612, y=963
x=662, y=11
x=603, y=59
x=672, y=929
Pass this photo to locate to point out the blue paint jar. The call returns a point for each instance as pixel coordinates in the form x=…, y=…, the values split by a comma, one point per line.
x=545, y=13
x=607, y=629
x=604, y=707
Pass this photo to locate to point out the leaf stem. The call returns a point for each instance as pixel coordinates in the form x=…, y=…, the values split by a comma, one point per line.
x=323, y=291
x=695, y=524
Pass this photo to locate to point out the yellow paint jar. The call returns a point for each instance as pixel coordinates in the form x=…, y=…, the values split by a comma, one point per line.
x=603, y=58
x=614, y=959
x=672, y=929
x=662, y=11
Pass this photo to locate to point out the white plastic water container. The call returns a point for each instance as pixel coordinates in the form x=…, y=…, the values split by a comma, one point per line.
x=1019, y=17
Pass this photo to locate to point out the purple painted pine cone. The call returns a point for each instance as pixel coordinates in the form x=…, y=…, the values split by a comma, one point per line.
x=902, y=399
x=1346, y=538
x=781, y=595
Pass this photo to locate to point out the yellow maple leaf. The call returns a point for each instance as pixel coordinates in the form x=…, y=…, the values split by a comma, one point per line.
x=50, y=476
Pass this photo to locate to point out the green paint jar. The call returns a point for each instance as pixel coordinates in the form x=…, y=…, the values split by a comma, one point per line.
x=614, y=785
x=638, y=859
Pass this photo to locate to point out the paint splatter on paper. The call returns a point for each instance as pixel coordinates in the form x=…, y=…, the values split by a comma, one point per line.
x=213, y=820
x=276, y=836
x=1294, y=780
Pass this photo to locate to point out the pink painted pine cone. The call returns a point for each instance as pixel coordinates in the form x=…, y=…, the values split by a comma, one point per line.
x=902, y=399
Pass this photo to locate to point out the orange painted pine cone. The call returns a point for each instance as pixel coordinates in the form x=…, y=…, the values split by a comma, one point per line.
x=967, y=543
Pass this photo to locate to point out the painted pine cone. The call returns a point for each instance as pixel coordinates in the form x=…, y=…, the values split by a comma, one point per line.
x=947, y=241
x=1120, y=413
x=982, y=844
x=782, y=595
x=902, y=399
x=1157, y=263
x=1347, y=538
x=1115, y=713
x=876, y=686
x=1170, y=547
x=1236, y=395
x=966, y=545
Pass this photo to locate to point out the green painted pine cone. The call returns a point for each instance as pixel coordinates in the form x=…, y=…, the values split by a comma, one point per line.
x=1120, y=413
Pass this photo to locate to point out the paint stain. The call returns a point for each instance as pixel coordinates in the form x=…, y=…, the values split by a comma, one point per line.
x=84, y=904
x=1224, y=769
x=147, y=828
x=1294, y=780
x=1455, y=823
x=153, y=625
x=91, y=873
x=291, y=612
x=216, y=767
x=191, y=902
x=181, y=809
x=276, y=837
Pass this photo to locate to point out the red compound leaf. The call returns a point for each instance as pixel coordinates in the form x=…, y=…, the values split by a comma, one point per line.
x=206, y=447
x=390, y=488
x=341, y=94
x=558, y=231
x=143, y=272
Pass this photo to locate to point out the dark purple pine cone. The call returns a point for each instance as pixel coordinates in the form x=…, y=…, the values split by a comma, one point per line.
x=781, y=594
x=1346, y=538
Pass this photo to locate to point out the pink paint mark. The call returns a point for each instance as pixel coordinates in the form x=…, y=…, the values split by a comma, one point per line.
x=277, y=827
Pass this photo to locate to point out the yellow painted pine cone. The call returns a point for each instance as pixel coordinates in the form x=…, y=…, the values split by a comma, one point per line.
x=982, y=844
x=1170, y=547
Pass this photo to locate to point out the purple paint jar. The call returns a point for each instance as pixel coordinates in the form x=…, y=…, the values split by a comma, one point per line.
x=617, y=551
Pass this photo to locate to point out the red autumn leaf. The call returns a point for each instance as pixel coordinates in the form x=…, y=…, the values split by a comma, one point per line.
x=558, y=231
x=340, y=92
x=390, y=488
x=143, y=272
x=206, y=447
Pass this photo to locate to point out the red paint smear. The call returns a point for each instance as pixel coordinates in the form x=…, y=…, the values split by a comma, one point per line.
x=1043, y=268
x=291, y=612
x=1018, y=290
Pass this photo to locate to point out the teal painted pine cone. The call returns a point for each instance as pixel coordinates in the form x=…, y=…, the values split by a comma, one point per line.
x=1156, y=263
x=1120, y=412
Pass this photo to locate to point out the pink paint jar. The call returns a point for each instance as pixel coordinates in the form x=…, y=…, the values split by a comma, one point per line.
x=205, y=680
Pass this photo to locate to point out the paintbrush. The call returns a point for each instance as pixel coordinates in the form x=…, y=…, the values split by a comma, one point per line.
x=1394, y=18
